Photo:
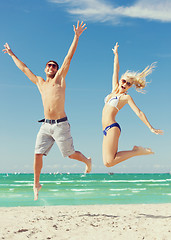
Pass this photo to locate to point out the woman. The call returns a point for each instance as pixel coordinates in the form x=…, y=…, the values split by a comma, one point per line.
x=113, y=103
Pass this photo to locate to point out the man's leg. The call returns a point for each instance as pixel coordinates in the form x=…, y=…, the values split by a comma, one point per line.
x=63, y=138
x=38, y=163
x=80, y=157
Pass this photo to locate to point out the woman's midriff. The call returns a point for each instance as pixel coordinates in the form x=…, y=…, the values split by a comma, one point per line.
x=108, y=116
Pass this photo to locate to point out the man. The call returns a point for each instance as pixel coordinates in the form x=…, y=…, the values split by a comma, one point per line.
x=55, y=126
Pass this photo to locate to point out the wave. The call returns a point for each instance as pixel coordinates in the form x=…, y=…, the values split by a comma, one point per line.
x=82, y=190
x=150, y=180
x=125, y=189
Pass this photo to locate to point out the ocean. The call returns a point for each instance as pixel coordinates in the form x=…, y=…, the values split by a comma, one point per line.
x=80, y=189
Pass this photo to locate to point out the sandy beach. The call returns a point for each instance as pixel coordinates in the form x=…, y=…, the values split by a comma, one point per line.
x=151, y=221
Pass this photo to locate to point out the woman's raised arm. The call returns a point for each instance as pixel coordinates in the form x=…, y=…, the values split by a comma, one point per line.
x=115, y=77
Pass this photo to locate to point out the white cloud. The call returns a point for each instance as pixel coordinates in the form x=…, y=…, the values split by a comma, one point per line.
x=154, y=10
x=105, y=11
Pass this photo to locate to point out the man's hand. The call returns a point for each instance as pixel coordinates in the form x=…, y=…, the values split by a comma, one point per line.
x=79, y=29
x=8, y=49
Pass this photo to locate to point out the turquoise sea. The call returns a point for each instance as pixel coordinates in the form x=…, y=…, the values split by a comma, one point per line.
x=77, y=189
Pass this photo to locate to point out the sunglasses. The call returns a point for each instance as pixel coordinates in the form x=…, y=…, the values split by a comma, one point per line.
x=127, y=83
x=51, y=65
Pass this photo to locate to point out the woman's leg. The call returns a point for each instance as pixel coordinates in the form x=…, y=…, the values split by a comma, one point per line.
x=110, y=147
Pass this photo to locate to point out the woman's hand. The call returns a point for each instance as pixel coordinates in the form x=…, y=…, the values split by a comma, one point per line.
x=157, y=131
x=115, y=49
x=8, y=49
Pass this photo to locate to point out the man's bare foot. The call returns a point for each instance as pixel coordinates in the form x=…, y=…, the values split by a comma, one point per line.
x=142, y=151
x=36, y=191
x=88, y=166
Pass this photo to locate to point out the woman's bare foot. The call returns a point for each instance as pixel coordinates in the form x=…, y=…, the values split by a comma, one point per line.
x=142, y=151
x=88, y=166
x=36, y=190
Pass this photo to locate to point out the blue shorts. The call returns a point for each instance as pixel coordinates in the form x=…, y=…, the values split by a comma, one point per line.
x=50, y=133
x=111, y=126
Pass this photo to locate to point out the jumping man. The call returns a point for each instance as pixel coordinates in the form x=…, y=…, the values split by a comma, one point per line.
x=55, y=127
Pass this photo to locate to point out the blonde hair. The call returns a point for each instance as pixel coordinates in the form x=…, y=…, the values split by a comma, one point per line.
x=139, y=79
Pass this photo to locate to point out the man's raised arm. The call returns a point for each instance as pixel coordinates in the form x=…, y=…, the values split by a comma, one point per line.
x=78, y=31
x=20, y=64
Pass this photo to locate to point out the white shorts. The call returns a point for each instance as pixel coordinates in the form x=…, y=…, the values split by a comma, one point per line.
x=50, y=133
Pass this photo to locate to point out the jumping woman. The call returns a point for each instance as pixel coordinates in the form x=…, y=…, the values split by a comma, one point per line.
x=113, y=104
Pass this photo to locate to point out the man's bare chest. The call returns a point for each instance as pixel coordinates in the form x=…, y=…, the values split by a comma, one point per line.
x=52, y=89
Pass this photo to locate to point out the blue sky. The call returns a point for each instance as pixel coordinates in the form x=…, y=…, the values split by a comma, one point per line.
x=40, y=30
